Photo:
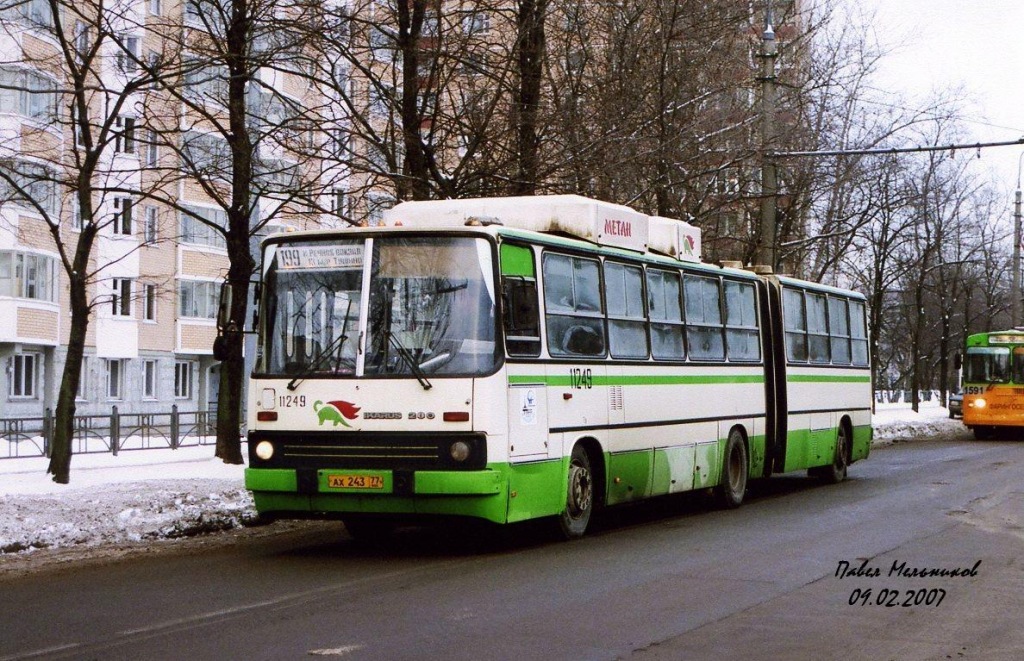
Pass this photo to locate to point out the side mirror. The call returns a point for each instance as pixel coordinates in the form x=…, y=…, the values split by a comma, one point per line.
x=224, y=308
x=958, y=360
x=220, y=348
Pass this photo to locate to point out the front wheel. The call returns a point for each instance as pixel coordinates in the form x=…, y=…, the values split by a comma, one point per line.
x=729, y=493
x=579, y=499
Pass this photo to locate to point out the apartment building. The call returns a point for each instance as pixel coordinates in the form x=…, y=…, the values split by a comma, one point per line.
x=157, y=266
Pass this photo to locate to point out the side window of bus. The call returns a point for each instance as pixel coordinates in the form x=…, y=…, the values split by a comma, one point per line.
x=795, y=324
x=839, y=330
x=741, y=334
x=817, y=328
x=859, y=333
x=703, y=318
x=666, y=313
x=520, y=301
x=572, y=298
x=627, y=334
x=522, y=316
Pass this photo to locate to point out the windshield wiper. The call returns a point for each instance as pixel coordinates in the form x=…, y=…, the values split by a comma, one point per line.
x=317, y=362
x=409, y=360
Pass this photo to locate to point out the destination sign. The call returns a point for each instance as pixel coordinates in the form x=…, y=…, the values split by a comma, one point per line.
x=321, y=257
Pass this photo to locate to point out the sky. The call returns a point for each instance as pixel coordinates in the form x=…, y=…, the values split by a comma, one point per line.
x=148, y=497
x=976, y=44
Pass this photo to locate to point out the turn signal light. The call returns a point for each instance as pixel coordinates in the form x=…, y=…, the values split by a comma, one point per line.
x=455, y=416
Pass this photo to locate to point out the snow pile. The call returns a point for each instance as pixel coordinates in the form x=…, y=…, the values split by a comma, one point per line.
x=894, y=423
x=150, y=495
x=134, y=497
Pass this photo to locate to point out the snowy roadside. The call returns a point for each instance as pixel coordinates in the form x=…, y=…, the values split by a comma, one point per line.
x=155, y=496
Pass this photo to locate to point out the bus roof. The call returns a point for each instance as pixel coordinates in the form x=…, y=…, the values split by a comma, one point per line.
x=592, y=220
x=1004, y=337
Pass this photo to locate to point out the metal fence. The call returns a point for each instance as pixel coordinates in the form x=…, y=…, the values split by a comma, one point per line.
x=113, y=433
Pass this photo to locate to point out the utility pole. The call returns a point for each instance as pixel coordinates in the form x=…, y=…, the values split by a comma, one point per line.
x=767, y=253
x=1016, y=294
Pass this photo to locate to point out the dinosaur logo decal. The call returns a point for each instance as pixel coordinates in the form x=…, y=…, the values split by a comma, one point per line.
x=689, y=244
x=335, y=412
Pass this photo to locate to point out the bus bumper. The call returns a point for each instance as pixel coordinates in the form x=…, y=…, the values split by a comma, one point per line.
x=290, y=493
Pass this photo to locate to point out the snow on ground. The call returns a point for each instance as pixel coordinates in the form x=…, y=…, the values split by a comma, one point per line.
x=149, y=495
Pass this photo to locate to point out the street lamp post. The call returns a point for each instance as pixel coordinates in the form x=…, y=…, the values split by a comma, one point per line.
x=766, y=250
x=1016, y=293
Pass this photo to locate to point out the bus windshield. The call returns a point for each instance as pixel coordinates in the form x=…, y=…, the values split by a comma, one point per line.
x=987, y=365
x=428, y=307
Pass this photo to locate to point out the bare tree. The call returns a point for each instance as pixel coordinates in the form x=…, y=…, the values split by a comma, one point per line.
x=82, y=81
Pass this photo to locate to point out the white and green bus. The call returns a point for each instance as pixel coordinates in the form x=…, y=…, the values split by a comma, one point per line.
x=515, y=358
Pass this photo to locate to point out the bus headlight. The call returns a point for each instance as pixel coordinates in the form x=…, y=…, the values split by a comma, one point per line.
x=979, y=403
x=265, y=450
x=460, y=451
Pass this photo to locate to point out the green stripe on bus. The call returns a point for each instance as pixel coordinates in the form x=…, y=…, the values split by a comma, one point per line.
x=654, y=380
x=824, y=378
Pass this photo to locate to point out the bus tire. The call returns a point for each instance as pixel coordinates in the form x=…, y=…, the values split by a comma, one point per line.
x=733, y=486
x=836, y=473
x=984, y=432
x=579, y=497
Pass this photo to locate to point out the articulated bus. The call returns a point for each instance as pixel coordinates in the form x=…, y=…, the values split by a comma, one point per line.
x=516, y=358
x=993, y=378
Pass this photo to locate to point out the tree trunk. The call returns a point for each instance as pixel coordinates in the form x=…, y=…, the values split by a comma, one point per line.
x=530, y=41
x=64, y=421
x=232, y=373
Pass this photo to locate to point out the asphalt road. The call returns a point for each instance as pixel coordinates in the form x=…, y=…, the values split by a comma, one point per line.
x=672, y=579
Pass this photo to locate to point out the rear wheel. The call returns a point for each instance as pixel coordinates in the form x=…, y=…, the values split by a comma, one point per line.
x=837, y=471
x=729, y=493
x=579, y=499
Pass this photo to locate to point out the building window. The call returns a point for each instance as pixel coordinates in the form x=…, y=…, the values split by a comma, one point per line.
x=36, y=13
x=123, y=216
x=197, y=299
x=124, y=137
x=83, y=40
x=149, y=303
x=121, y=299
x=34, y=186
x=149, y=378
x=76, y=215
x=128, y=57
x=477, y=22
x=115, y=378
x=339, y=203
x=183, y=380
x=23, y=381
x=198, y=226
x=154, y=7
x=29, y=93
x=25, y=275
x=150, y=151
x=149, y=228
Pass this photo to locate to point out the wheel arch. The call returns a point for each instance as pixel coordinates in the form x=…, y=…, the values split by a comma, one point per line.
x=595, y=452
x=846, y=422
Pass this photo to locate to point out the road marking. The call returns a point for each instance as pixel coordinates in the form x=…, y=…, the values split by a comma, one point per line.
x=336, y=651
x=42, y=652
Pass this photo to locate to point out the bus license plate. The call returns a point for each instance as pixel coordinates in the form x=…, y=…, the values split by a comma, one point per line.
x=355, y=481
